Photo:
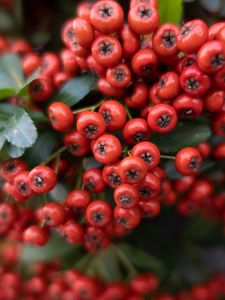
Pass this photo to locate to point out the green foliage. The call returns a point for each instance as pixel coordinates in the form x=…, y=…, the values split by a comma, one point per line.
x=76, y=89
x=170, y=11
x=187, y=133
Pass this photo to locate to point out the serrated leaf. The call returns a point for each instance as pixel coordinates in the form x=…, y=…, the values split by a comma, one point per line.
x=170, y=11
x=14, y=151
x=187, y=133
x=76, y=89
x=2, y=138
x=20, y=130
x=38, y=153
x=141, y=259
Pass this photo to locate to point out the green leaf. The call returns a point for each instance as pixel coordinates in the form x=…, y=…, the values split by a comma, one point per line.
x=37, y=116
x=2, y=138
x=20, y=130
x=141, y=259
x=170, y=11
x=171, y=171
x=76, y=89
x=57, y=247
x=187, y=133
x=14, y=151
x=43, y=147
x=24, y=89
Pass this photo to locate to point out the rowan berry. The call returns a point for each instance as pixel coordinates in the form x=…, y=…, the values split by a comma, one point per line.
x=126, y=196
x=168, y=86
x=41, y=88
x=107, y=89
x=110, y=175
x=214, y=100
x=188, y=161
x=129, y=218
x=22, y=184
x=42, y=179
x=149, y=188
x=73, y=232
x=149, y=209
x=135, y=131
x=99, y=213
x=52, y=214
x=61, y=116
x=78, y=198
x=35, y=235
x=93, y=181
x=11, y=168
x=139, y=95
x=144, y=63
x=187, y=106
x=84, y=32
x=77, y=144
x=119, y=76
x=130, y=41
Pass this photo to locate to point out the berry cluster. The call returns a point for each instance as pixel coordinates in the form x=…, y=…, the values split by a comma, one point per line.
x=151, y=76
x=48, y=281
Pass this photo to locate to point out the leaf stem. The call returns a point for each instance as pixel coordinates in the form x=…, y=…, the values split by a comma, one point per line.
x=128, y=113
x=91, y=107
x=167, y=157
x=54, y=155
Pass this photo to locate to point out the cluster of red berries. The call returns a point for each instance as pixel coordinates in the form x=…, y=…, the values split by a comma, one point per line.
x=47, y=281
x=158, y=73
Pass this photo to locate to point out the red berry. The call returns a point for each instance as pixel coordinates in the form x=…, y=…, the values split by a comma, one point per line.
x=119, y=76
x=22, y=184
x=41, y=88
x=11, y=168
x=135, y=131
x=84, y=32
x=132, y=169
x=129, y=218
x=78, y=198
x=42, y=179
x=77, y=144
x=52, y=214
x=144, y=63
x=188, y=161
x=73, y=232
x=149, y=188
x=35, y=235
x=187, y=106
x=93, y=181
x=126, y=196
x=99, y=213
x=61, y=116
x=110, y=175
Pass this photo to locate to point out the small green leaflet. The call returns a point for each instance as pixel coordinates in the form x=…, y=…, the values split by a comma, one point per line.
x=170, y=11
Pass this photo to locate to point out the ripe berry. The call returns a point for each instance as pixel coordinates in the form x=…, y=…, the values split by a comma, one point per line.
x=219, y=124
x=144, y=63
x=22, y=184
x=211, y=56
x=219, y=151
x=214, y=100
x=168, y=86
x=30, y=63
x=11, y=168
x=133, y=3
x=215, y=29
x=143, y=18
x=132, y=169
x=107, y=89
x=52, y=214
x=192, y=36
x=77, y=144
x=135, y=131
x=35, y=235
x=8, y=214
x=83, y=10
x=41, y=88
x=204, y=149
x=99, y=213
x=119, y=76
x=42, y=179
x=61, y=116
x=107, y=16
x=149, y=152
x=107, y=149
x=95, y=239
x=50, y=63
x=186, y=62
x=187, y=106
x=73, y=232
x=194, y=82
x=149, y=188
x=110, y=175
x=162, y=118
x=130, y=41
x=165, y=40
x=219, y=79
x=146, y=283
x=90, y=124
x=188, y=161
x=149, y=209
x=69, y=61
x=139, y=95
x=114, y=114
x=84, y=32
x=78, y=198
x=92, y=180
x=107, y=51
x=129, y=218
x=126, y=196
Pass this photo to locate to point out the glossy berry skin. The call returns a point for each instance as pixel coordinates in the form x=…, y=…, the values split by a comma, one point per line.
x=86, y=288
x=73, y=232
x=187, y=106
x=8, y=215
x=188, y=161
x=107, y=51
x=133, y=3
x=107, y=149
x=145, y=283
x=84, y=32
x=61, y=116
x=149, y=188
x=52, y=214
x=107, y=89
x=139, y=95
x=92, y=180
x=119, y=76
x=95, y=67
x=69, y=61
x=107, y=16
x=30, y=63
x=211, y=56
x=194, y=82
x=126, y=196
x=144, y=63
x=130, y=41
x=95, y=239
x=153, y=95
x=35, y=235
x=110, y=175
x=77, y=144
x=219, y=124
x=149, y=152
x=129, y=218
x=186, y=61
x=149, y=209
x=114, y=114
x=60, y=78
x=41, y=88
x=22, y=184
x=214, y=100
x=90, y=124
x=162, y=118
x=78, y=198
x=135, y=131
x=143, y=18
x=192, y=36
x=165, y=40
x=132, y=169
x=115, y=290
x=67, y=33
x=215, y=29
x=83, y=10
x=168, y=86
x=11, y=168
x=219, y=151
x=218, y=79
x=99, y=213
x=50, y=63
x=42, y=179
x=204, y=149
